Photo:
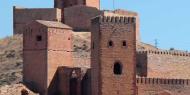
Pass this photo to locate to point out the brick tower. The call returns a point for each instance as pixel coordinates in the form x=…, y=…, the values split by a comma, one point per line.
x=47, y=46
x=113, y=56
x=68, y=3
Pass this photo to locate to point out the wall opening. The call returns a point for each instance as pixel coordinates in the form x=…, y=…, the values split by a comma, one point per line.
x=124, y=43
x=117, y=68
x=38, y=38
x=92, y=45
x=110, y=43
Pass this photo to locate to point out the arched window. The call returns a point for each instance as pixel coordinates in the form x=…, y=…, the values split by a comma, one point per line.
x=117, y=68
x=110, y=43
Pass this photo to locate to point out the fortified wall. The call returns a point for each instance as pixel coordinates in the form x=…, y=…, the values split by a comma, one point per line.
x=159, y=86
x=163, y=64
x=24, y=16
x=78, y=17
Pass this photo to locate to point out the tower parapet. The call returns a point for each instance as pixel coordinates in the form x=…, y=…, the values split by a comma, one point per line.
x=113, y=55
x=116, y=19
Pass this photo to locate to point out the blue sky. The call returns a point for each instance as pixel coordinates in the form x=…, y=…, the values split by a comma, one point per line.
x=164, y=20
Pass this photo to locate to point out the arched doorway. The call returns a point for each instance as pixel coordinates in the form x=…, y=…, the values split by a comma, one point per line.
x=117, y=68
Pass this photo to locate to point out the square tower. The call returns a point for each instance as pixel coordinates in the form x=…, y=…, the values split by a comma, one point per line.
x=47, y=46
x=69, y=3
x=113, y=56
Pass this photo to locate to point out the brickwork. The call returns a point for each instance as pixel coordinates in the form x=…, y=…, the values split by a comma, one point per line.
x=79, y=17
x=66, y=75
x=156, y=86
x=35, y=57
x=23, y=16
x=126, y=13
x=69, y=3
x=43, y=53
x=104, y=79
x=51, y=69
x=164, y=64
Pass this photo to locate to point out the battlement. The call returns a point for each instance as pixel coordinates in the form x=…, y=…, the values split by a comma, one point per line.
x=164, y=52
x=157, y=81
x=116, y=19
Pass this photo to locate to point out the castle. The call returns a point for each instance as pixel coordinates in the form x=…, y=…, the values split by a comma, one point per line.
x=117, y=65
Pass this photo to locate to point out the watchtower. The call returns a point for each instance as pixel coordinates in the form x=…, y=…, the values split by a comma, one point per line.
x=113, y=55
x=69, y=3
x=47, y=46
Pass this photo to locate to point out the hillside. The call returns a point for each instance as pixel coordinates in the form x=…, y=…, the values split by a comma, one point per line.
x=10, y=60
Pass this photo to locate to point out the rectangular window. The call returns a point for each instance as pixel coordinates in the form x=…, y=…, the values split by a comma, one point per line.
x=38, y=38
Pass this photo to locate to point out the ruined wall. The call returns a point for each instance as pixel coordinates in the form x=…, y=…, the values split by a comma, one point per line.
x=79, y=17
x=35, y=57
x=166, y=64
x=156, y=86
x=65, y=76
x=86, y=83
x=23, y=16
x=104, y=57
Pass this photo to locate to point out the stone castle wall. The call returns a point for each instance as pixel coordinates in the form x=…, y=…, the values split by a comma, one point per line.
x=23, y=16
x=156, y=86
x=59, y=50
x=35, y=57
x=79, y=17
x=164, y=64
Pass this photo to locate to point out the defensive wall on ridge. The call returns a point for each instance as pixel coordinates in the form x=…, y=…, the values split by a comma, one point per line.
x=154, y=86
x=163, y=64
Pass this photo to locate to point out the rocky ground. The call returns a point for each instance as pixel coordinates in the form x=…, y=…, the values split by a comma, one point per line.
x=15, y=89
x=10, y=60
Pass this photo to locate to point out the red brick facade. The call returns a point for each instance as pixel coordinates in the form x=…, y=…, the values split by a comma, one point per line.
x=24, y=16
x=113, y=56
x=43, y=53
x=49, y=63
x=79, y=17
x=173, y=64
x=69, y=3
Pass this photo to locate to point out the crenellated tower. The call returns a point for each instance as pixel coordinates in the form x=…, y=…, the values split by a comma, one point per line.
x=113, y=57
